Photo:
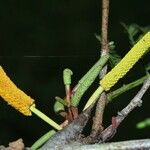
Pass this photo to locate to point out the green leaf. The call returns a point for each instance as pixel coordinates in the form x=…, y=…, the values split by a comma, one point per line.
x=98, y=37
x=114, y=58
x=145, y=29
x=58, y=107
x=133, y=29
x=111, y=45
x=62, y=101
x=147, y=67
x=135, y=32
x=143, y=124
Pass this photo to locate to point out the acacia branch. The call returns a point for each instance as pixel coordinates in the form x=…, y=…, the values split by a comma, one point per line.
x=125, y=88
x=104, y=27
x=136, y=101
x=143, y=144
x=70, y=133
x=98, y=118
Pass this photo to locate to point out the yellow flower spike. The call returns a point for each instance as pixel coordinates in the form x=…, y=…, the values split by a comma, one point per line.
x=19, y=100
x=126, y=63
x=13, y=95
x=111, y=78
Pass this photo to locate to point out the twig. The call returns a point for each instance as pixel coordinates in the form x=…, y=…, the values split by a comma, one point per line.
x=98, y=118
x=136, y=101
x=97, y=125
x=143, y=144
x=105, y=13
x=70, y=133
x=124, y=88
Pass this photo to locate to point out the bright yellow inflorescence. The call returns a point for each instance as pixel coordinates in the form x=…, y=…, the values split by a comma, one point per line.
x=126, y=63
x=13, y=95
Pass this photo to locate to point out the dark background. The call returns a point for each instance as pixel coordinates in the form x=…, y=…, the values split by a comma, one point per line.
x=38, y=39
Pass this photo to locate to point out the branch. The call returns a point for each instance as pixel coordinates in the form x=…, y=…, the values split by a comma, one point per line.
x=97, y=125
x=105, y=14
x=124, y=145
x=98, y=118
x=70, y=133
x=125, y=88
x=104, y=28
x=136, y=101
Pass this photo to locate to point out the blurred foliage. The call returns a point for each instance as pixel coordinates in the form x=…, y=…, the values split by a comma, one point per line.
x=147, y=67
x=143, y=124
x=135, y=32
x=114, y=57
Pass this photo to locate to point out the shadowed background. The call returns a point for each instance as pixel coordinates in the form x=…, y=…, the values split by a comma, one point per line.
x=38, y=39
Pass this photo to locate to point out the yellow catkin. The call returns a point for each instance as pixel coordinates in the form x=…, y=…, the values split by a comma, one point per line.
x=13, y=95
x=126, y=63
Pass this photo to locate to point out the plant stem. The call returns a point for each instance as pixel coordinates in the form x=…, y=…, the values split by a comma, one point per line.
x=98, y=118
x=94, y=97
x=135, y=102
x=45, y=118
x=104, y=27
x=124, y=88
